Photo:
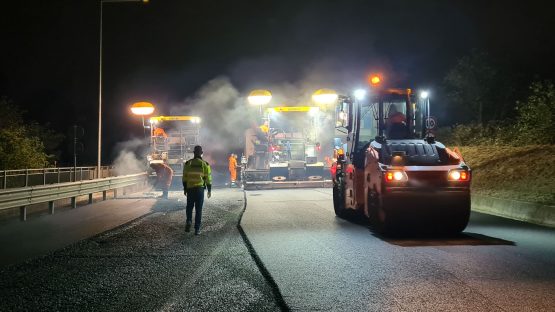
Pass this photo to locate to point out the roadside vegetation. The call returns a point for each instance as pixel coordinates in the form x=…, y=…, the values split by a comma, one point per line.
x=25, y=144
x=507, y=134
x=524, y=173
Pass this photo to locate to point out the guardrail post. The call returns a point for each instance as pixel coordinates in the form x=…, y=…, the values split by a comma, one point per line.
x=103, y=195
x=23, y=213
x=90, y=198
x=115, y=193
x=81, y=174
x=51, y=207
x=73, y=202
x=59, y=174
x=5, y=179
x=44, y=176
x=26, y=177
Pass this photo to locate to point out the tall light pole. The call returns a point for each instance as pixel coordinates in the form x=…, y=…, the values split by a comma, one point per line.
x=99, y=162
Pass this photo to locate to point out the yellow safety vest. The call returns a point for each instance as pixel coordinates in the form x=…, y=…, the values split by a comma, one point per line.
x=197, y=173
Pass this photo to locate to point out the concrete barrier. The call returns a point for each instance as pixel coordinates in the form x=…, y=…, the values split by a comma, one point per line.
x=513, y=209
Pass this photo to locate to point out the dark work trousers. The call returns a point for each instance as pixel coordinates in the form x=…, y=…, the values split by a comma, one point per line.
x=195, y=197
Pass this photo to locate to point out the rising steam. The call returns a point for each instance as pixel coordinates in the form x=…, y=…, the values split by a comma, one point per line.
x=130, y=157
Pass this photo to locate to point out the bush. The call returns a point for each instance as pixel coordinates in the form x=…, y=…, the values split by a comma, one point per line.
x=535, y=123
x=536, y=116
x=493, y=133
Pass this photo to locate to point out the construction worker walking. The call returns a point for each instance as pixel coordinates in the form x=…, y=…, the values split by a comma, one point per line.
x=233, y=169
x=197, y=176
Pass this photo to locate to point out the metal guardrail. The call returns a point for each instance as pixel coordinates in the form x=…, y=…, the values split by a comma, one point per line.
x=44, y=176
x=22, y=197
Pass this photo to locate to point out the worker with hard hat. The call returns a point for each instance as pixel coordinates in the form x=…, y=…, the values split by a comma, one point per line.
x=197, y=176
x=232, y=161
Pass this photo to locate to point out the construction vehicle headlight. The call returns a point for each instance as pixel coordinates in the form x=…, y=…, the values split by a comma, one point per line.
x=458, y=175
x=396, y=176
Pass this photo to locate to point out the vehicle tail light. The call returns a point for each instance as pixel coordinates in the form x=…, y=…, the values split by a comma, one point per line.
x=395, y=176
x=458, y=175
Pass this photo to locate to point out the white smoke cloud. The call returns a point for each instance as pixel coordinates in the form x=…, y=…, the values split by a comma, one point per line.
x=130, y=157
x=224, y=113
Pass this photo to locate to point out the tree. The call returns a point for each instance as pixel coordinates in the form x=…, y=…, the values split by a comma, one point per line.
x=470, y=86
x=19, y=148
x=536, y=116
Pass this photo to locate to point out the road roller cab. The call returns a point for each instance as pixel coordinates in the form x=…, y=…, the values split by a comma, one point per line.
x=391, y=168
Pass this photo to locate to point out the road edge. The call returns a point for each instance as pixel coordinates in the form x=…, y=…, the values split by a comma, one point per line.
x=517, y=210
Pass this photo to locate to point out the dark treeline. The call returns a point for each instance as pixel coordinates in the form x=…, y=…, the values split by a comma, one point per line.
x=487, y=101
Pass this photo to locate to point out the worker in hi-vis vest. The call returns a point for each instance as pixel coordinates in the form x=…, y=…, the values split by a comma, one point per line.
x=197, y=176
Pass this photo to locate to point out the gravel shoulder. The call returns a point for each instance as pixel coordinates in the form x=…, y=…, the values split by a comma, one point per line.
x=149, y=264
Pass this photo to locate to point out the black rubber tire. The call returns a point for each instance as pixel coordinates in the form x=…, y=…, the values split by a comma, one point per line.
x=339, y=200
x=380, y=221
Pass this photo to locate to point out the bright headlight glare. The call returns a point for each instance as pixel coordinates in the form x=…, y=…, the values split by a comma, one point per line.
x=396, y=176
x=458, y=175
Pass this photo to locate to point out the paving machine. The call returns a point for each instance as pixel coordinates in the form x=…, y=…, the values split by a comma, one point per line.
x=286, y=150
x=391, y=168
x=172, y=139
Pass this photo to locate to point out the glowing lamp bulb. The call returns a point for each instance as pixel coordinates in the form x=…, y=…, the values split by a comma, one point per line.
x=360, y=94
x=325, y=96
x=398, y=176
x=374, y=80
x=389, y=176
x=259, y=97
x=142, y=108
x=424, y=94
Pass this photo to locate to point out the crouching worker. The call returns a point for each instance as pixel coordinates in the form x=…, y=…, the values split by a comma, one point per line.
x=197, y=176
x=164, y=176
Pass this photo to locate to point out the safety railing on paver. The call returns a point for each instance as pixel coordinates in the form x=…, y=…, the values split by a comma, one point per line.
x=44, y=176
x=24, y=196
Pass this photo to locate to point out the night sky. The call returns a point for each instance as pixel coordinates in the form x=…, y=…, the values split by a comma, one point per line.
x=167, y=49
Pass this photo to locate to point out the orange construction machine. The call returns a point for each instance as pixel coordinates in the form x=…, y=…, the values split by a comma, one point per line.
x=390, y=167
x=172, y=139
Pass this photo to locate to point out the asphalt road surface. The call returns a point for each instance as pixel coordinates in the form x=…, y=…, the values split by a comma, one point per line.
x=149, y=264
x=321, y=262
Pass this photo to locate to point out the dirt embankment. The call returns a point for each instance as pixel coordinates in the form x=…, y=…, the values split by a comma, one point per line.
x=524, y=173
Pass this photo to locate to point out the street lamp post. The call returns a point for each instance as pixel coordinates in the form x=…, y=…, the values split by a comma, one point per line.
x=100, y=81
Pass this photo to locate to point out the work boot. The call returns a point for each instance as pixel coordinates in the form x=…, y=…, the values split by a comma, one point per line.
x=165, y=194
x=197, y=231
x=188, y=227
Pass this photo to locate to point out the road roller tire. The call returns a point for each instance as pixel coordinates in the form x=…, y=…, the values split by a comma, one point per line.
x=339, y=201
x=381, y=221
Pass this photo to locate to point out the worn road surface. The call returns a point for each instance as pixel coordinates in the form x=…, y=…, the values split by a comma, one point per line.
x=150, y=264
x=324, y=263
